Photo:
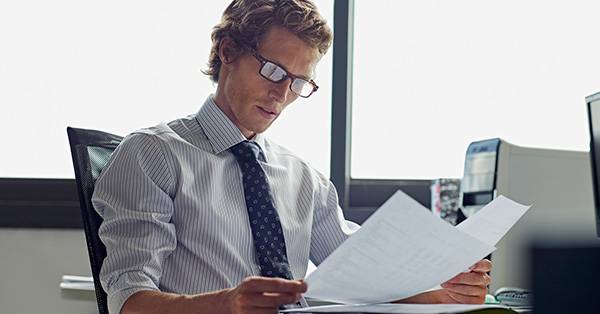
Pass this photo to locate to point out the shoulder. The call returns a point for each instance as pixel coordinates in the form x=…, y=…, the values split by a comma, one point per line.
x=148, y=148
x=142, y=154
x=285, y=156
x=160, y=133
x=281, y=153
x=141, y=142
x=160, y=136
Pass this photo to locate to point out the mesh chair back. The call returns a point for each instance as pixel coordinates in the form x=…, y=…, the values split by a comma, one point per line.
x=91, y=150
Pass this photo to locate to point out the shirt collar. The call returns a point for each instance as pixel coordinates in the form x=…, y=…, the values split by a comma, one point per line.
x=221, y=132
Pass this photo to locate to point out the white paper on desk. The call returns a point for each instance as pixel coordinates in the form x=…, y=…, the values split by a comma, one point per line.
x=401, y=250
x=494, y=220
x=395, y=308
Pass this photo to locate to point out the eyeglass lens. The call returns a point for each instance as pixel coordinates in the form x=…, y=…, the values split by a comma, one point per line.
x=276, y=74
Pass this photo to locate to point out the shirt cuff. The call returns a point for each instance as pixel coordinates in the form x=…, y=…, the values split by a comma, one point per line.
x=124, y=287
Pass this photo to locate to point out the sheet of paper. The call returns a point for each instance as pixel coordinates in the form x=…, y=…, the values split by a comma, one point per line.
x=494, y=220
x=395, y=308
x=401, y=250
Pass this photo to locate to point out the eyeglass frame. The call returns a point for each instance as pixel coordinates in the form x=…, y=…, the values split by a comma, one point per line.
x=263, y=61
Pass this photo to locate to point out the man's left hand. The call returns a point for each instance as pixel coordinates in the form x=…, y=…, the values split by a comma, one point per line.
x=467, y=287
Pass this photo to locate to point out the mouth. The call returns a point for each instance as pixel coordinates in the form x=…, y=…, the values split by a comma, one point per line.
x=267, y=113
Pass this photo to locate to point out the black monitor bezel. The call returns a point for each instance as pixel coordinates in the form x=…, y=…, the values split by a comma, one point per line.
x=589, y=100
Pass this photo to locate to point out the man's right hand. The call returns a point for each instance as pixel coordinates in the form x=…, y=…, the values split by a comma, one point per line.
x=254, y=295
x=262, y=295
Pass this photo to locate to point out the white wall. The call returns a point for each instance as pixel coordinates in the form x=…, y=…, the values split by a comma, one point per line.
x=32, y=262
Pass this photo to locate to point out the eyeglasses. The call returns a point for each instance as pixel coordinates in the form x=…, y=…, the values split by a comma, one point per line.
x=277, y=74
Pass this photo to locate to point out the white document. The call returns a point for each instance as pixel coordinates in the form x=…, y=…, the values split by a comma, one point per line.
x=401, y=250
x=493, y=221
x=395, y=308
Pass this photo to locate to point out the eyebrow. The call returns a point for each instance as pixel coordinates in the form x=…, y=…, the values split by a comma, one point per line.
x=306, y=78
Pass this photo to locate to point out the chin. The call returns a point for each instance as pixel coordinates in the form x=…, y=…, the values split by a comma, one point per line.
x=261, y=130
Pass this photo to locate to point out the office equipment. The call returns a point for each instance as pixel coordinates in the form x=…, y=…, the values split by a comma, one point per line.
x=80, y=283
x=445, y=194
x=402, y=249
x=565, y=277
x=511, y=296
x=593, y=106
x=556, y=182
x=91, y=150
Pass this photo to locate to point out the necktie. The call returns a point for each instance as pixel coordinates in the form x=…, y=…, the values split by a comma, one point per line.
x=266, y=228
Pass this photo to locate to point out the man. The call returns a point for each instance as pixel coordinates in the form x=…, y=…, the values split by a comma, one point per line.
x=206, y=215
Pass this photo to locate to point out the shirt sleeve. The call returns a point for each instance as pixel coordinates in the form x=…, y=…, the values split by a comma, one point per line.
x=134, y=196
x=330, y=229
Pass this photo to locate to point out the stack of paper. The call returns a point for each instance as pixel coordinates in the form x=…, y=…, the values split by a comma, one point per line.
x=402, y=250
x=398, y=308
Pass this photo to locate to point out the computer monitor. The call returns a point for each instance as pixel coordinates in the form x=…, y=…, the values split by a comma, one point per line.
x=593, y=105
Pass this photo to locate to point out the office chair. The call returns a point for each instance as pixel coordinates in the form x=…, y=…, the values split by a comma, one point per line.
x=91, y=150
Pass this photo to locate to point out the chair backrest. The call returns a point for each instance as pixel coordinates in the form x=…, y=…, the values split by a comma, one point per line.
x=91, y=150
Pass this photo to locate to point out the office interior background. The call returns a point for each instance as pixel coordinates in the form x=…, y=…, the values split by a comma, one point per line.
x=403, y=91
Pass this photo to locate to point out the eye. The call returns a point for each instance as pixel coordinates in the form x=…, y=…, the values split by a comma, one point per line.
x=302, y=87
x=273, y=72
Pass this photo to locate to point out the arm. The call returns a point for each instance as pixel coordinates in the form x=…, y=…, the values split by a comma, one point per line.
x=134, y=197
x=161, y=302
x=253, y=295
x=329, y=227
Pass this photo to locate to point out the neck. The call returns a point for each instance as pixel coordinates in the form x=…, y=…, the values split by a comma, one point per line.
x=221, y=100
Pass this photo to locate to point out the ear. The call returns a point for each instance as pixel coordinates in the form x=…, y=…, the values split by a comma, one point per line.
x=228, y=51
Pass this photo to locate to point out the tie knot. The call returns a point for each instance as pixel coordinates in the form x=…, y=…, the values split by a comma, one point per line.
x=246, y=150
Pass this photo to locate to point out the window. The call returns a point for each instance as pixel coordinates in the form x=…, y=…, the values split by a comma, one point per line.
x=432, y=76
x=119, y=66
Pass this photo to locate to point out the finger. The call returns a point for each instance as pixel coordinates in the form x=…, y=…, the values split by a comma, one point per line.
x=487, y=279
x=466, y=299
x=270, y=300
x=265, y=284
x=472, y=278
x=263, y=310
x=466, y=290
x=483, y=266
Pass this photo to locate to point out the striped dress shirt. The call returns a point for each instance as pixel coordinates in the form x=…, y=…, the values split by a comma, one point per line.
x=175, y=218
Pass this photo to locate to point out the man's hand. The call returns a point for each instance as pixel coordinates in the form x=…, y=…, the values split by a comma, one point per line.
x=262, y=295
x=253, y=295
x=468, y=287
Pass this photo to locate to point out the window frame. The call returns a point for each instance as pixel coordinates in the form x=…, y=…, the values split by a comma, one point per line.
x=39, y=203
x=358, y=197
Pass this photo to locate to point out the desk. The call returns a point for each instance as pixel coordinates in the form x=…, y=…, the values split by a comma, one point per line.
x=82, y=288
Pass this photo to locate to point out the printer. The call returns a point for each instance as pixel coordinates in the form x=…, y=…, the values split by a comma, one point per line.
x=557, y=183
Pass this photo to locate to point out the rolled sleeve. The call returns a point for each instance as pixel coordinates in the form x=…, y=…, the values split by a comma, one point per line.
x=134, y=196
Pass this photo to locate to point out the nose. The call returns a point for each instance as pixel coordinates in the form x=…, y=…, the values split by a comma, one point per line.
x=280, y=91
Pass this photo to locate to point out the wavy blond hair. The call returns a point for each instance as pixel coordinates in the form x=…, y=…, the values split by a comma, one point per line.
x=246, y=22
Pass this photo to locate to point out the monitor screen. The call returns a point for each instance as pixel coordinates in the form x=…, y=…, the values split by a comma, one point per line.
x=593, y=103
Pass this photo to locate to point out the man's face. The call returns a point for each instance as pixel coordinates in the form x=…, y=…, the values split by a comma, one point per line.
x=253, y=102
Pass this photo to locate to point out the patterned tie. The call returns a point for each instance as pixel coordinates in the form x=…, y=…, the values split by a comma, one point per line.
x=269, y=243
